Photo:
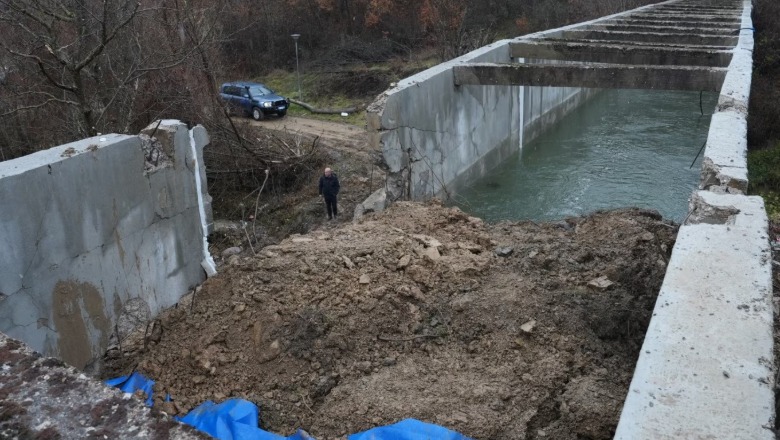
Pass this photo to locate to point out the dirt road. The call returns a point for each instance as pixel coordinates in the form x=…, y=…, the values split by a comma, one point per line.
x=344, y=137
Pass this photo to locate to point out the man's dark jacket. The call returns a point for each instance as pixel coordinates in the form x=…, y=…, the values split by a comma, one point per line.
x=329, y=186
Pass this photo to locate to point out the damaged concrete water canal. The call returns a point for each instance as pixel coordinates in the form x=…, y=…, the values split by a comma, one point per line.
x=509, y=330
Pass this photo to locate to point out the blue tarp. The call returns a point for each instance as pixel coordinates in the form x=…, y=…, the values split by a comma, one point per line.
x=133, y=382
x=236, y=419
x=233, y=419
x=409, y=429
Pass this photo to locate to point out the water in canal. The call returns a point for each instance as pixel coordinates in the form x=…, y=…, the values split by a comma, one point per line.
x=623, y=148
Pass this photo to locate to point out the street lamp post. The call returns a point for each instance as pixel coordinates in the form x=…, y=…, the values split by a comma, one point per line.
x=297, y=66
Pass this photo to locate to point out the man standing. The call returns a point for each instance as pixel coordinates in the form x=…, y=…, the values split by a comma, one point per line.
x=329, y=190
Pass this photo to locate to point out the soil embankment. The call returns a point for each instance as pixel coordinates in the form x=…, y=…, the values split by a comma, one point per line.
x=506, y=331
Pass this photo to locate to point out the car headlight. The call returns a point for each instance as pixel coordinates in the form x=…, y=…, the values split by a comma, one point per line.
x=267, y=104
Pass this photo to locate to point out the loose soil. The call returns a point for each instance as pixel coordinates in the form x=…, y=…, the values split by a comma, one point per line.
x=423, y=312
x=340, y=137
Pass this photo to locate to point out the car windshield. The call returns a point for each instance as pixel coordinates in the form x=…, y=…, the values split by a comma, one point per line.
x=260, y=90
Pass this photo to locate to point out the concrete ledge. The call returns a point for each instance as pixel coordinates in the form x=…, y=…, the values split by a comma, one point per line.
x=613, y=76
x=601, y=52
x=656, y=37
x=664, y=29
x=725, y=156
x=706, y=366
x=668, y=22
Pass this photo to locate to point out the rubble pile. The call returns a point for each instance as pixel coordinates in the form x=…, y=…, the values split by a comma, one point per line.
x=505, y=331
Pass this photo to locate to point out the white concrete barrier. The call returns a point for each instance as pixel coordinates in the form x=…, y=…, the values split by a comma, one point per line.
x=88, y=226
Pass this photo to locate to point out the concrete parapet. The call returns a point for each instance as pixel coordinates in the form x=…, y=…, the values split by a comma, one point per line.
x=90, y=225
x=706, y=369
x=725, y=155
x=42, y=398
x=706, y=365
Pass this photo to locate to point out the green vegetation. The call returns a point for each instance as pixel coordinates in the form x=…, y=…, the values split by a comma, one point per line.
x=764, y=166
x=285, y=84
x=763, y=114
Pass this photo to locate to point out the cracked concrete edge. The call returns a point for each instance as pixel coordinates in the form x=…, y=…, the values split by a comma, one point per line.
x=704, y=208
x=706, y=366
x=44, y=398
x=724, y=166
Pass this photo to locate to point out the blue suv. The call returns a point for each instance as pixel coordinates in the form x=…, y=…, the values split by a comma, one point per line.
x=253, y=99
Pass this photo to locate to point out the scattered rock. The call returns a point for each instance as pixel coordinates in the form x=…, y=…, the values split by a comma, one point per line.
x=323, y=387
x=471, y=247
x=403, y=262
x=504, y=251
x=427, y=240
x=348, y=262
x=432, y=254
x=600, y=283
x=365, y=279
x=302, y=240
x=529, y=326
x=231, y=251
x=647, y=236
x=169, y=408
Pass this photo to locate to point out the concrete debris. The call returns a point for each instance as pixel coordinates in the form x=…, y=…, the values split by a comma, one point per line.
x=403, y=262
x=348, y=262
x=155, y=157
x=600, y=283
x=427, y=240
x=504, y=251
x=471, y=247
x=231, y=251
x=528, y=327
x=432, y=254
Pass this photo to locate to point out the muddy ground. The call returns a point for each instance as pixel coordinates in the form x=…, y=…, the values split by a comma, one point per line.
x=506, y=331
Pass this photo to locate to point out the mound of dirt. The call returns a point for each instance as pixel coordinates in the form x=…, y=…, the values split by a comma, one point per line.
x=506, y=331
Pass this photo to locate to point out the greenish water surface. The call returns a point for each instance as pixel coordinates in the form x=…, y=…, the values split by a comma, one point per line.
x=623, y=148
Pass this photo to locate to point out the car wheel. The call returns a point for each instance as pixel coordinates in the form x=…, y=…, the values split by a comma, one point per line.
x=257, y=114
x=282, y=113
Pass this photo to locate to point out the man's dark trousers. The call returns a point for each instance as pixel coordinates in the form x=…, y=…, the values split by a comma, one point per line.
x=331, y=205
